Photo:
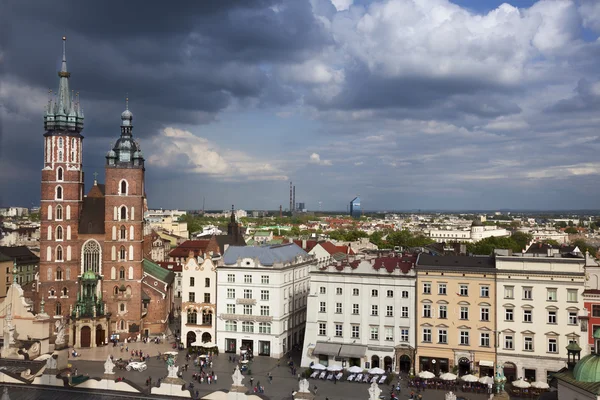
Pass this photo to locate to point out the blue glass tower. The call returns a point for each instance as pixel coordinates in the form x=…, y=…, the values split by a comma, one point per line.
x=355, y=208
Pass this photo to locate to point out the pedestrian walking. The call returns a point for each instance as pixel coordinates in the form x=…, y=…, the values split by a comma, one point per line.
x=270, y=378
x=251, y=382
x=315, y=388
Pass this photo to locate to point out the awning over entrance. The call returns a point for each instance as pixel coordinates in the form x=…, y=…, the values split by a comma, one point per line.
x=327, y=349
x=483, y=363
x=353, y=351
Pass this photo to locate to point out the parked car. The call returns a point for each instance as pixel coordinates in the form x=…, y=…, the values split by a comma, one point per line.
x=136, y=366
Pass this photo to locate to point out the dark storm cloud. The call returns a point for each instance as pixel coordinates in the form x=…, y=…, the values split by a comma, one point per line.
x=586, y=98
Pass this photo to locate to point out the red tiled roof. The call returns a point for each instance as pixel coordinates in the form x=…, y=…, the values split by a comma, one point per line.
x=333, y=249
x=199, y=247
x=404, y=263
x=310, y=244
x=175, y=267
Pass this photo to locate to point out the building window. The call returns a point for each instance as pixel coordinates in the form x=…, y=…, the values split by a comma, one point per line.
x=192, y=281
x=59, y=213
x=389, y=334
x=528, y=343
x=264, y=327
x=338, y=308
x=484, y=340
x=231, y=293
x=426, y=310
x=508, y=342
x=509, y=314
x=552, y=317
x=322, y=329
x=59, y=233
x=59, y=274
x=485, y=314
x=123, y=188
x=122, y=273
x=464, y=312
x=192, y=297
x=59, y=253
x=442, y=288
x=59, y=174
x=404, y=312
x=427, y=288
x=527, y=316
x=123, y=213
x=230, y=308
x=59, y=193
x=527, y=293
x=596, y=310
x=355, y=332
x=443, y=312
x=442, y=336
x=374, y=333
x=355, y=292
x=58, y=310
x=322, y=290
x=390, y=293
x=338, y=291
x=247, y=309
x=374, y=310
x=322, y=307
x=427, y=335
x=122, y=253
x=552, y=345
x=389, y=311
x=338, y=330
x=572, y=318
x=247, y=278
x=264, y=279
x=122, y=307
x=230, y=278
x=207, y=298
x=122, y=325
x=484, y=291
x=264, y=295
x=464, y=338
x=206, y=282
x=404, y=335
x=355, y=309
x=231, y=326
x=116, y=290
x=572, y=295
x=374, y=293
x=248, y=327
x=509, y=292
x=405, y=294
x=192, y=317
x=247, y=293
x=551, y=295
x=464, y=290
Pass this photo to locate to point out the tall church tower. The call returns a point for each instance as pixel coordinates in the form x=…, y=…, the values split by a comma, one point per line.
x=123, y=226
x=61, y=197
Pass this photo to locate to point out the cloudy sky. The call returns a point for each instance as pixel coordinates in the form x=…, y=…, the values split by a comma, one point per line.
x=412, y=104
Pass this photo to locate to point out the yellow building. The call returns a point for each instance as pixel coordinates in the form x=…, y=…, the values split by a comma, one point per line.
x=6, y=266
x=455, y=314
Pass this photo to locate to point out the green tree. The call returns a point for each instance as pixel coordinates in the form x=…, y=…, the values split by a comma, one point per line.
x=34, y=217
x=521, y=239
x=377, y=239
x=571, y=230
x=551, y=242
x=584, y=246
x=488, y=245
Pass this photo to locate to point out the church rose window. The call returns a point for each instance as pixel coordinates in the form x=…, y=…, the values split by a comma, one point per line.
x=91, y=256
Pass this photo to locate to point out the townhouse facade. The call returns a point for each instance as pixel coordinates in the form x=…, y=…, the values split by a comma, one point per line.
x=362, y=313
x=540, y=301
x=199, y=302
x=455, y=315
x=263, y=292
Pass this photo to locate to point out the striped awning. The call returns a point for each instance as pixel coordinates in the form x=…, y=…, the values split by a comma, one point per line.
x=327, y=349
x=353, y=351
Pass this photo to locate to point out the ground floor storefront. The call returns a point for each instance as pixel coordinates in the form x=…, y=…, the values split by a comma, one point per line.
x=457, y=361
x=529, y=367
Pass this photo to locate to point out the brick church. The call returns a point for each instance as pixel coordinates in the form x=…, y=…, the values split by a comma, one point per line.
x=93, y=270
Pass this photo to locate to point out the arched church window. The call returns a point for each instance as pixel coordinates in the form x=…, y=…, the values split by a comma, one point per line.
x=68, y=273
x=91, y=256
x=60, y=155
x=59, y=174
x=59, y=213
x=52, y=292
x=59, y=193
x=116, y=290
x=123, y=190
x=58, y=310
x=59, y=275
x=122, y=253
x=60, y=143
x=65, y=291
x=123, y=213
x=123, y=232
x=122, y=325
x=122, y=273
x=59, y=233
x=122, y=307
x=59, y=253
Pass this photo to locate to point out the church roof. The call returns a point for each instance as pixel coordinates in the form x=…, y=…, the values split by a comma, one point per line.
x=21, y=254
x=92, y=215
x=151, y=268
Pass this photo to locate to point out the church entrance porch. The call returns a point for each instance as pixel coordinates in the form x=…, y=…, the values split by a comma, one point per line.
x=85, y=336
x=100, y=335
x=89, y=332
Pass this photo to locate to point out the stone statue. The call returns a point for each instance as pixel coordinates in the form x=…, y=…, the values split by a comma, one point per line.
x=237, y=377
x=304, y=385
x=10, y=330
x=374, y=391
x=109, y=366
x=60, y=335
x=51, y=363
x=172, y=371
x=450, y=396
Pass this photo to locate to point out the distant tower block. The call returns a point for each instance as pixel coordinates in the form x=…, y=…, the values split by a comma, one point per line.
x=294, y=200
x=280, y=211
x=291, y=198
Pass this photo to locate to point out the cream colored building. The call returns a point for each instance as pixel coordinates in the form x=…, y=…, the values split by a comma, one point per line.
x=456, y=304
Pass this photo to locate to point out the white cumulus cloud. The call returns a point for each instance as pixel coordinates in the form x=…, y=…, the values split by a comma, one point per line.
x=316, y=159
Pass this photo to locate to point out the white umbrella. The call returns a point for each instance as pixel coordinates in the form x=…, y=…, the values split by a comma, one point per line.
x=521, y=384
x=355, y=369
x=469, y=378
x=426, y=375
x=448, y=376
x=245, y=362
x=376, y=371
x=334, y=368
x=540, y=385
x=208, y=345
x=318, y=367
x=172, y=353
x=486, y=380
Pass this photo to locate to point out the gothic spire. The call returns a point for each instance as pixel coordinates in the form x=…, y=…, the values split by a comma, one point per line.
x=64, y=97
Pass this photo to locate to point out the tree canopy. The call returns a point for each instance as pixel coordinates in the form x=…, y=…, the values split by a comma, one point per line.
x=517, y=242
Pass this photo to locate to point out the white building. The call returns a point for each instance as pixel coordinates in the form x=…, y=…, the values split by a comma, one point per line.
x=539, y=299
x=362, y=313
x=199, y=298
x=476, y=233
x=262, y=293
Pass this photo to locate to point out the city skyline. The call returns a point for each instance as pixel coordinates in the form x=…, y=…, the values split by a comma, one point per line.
x=439, y=105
